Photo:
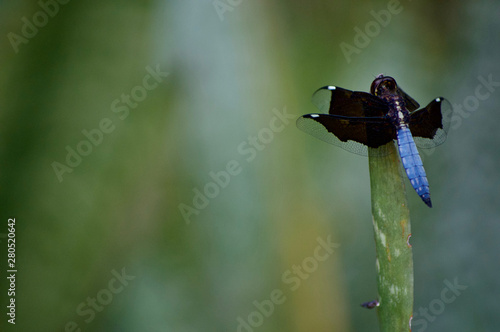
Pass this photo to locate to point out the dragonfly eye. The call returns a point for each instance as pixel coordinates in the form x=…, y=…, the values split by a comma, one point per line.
x=375, y=87
x=388, y=85
x=382, y=84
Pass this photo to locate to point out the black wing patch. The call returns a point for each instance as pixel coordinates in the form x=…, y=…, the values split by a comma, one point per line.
x=411, y=104
x=355, y=120
x=429, y=125
x=351, y=134
x=337, y=101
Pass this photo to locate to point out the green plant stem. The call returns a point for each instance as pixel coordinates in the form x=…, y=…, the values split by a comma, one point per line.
x=391, y=222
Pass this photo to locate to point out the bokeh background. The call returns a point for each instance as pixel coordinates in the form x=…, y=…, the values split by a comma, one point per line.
x=232, y=66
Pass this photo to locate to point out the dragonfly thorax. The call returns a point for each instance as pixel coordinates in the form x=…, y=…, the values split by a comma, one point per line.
x=398, y=113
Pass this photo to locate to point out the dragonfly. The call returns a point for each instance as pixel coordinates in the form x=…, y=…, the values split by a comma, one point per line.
x=356, y=121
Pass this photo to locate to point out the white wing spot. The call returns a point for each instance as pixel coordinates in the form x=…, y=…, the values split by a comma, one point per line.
x=314, y=116
x=331, y=87
x=438, y=99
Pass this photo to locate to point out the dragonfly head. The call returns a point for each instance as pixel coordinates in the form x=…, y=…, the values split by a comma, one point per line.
x=383, y=85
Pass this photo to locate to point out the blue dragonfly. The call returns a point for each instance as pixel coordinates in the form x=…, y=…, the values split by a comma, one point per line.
x=357, y=120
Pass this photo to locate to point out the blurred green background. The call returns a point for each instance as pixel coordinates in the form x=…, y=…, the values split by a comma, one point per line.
x=225, y=69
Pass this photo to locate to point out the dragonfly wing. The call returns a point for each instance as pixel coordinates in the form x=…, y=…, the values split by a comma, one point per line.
x=430, y=125
x=411, y=104
x=337, y=101
x=350, y=133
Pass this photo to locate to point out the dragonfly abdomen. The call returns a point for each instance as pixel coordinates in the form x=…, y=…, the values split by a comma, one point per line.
x=413, y=164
